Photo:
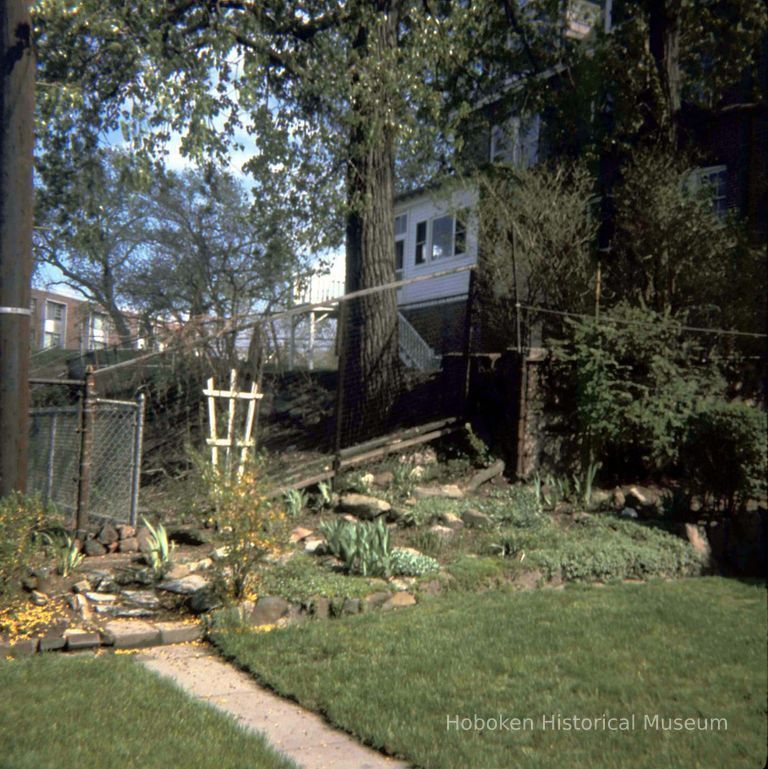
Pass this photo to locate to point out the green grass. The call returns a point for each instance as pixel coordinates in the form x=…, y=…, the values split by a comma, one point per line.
x=692, y=648
x=61, y=712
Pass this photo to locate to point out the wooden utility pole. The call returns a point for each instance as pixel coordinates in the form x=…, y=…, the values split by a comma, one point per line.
x=17, y=100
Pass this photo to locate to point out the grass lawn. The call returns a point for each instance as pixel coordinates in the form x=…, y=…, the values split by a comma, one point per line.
x=687, y=649
x=60, y=712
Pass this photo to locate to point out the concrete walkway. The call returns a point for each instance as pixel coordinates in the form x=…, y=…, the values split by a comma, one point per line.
x=302, y=736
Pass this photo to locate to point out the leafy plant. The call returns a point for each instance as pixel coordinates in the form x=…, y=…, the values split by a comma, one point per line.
x=724, y=453
x=404, y=477
x=326, y=496
x=20, y=516
x=363, y=547
x=409, y=564
x=69, y=556
x=295, y=501
x=160, y=549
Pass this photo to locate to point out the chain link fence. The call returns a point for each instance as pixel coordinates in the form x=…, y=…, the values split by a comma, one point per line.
x=55, y=465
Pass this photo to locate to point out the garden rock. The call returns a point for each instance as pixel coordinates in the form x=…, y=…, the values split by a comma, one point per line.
x=362, y=506
x=146, y=599
x=78, y=638
x=320, y=607
x=475, y=519
x=144, y=538
x=643, y=499
x=131, y=634
x=601, y=498
x=375, y=600
x=129, y=545
x=53, y=640
x=126, y=531
x=204, y=600
x=178, y=571
x=351, y=606
x=79, y=604
x=38, y=598
x=179, y=632
x=628, y=512
x=314, y=545
x=442, y=532
x=398, y=601
x=101, y=597
x=299, y=534
x=185, y=585
x=485, y=475
x=451, y=520
x=94, y=548
x=82, y=586
x=619, y=500
x=268, y=610
x=444, y=491
x=108, y=534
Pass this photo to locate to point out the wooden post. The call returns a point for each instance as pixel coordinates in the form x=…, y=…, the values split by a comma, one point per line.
x=230, y=423
x=311, y=350
x=248, y=430
x=212, y=426
x=468, y=325
x=86, y=450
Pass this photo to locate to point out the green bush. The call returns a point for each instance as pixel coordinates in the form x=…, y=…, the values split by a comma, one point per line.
x=20, y=517
x=408, y=564
x=724, y=453
x=362, y=546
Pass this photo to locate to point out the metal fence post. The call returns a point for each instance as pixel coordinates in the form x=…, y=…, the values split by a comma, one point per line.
x=137, y=444
x=86, y=448
x=51, y=458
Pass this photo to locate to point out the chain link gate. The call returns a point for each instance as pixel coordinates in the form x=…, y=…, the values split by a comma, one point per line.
x=115, y=457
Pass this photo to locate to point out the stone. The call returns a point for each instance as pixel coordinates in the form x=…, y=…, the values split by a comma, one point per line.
x=375, y=600
x=107, y=534
x=107, y=585
x=643, y=499
x=24, y=647
x=79, y=604
x=93, y=548
x=126, y=531
x=178, y=571
x=601, y=499
x=362, y=506
x=185, y=585
x=485, y=475
x=112, y=547
x=628, y=512
x=320, y=607
x=444, y=491
x=202, y=565
x=128, y=545
x=351, y=606
x=475, y=519
x=53, y=640
x=39, y=598
x=128, y=613
x=101, y=597
x=442, y=532
x=131, y=634
x=451, y=520
x=204, y=600
x=144, y=539
x=618, y=499
x=143, y=598
x=299, y=534
x=81, y=586
x=314, y=545
x=179, y=632
x=398, y=600
x=78, y=638
x=268, y=610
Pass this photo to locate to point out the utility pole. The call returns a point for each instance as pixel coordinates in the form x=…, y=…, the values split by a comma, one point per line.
x=17, y=100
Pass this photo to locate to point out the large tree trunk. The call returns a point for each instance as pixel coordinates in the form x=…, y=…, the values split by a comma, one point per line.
x=17, y=100
x=369, y=336
x=664, y=45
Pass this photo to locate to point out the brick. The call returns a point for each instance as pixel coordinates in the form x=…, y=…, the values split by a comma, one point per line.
x=24, y=648
x=82, y=639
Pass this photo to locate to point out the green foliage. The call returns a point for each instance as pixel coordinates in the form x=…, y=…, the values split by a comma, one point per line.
x=20, y=517
x=160, y=549
x=724, y=453
x=325, y=492
x=517, y=505
x=295, y=501
x=303, y=577
x=635, y=380
x=408, y=564
x=472, y=573
x=364, y=547
x=404, y=476
x=69, y=556
x=480, y=455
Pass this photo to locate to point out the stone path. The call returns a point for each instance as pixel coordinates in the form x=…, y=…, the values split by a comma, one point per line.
x=302, y=736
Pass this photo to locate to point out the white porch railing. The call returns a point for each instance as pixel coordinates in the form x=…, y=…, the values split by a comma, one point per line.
x=414, y=351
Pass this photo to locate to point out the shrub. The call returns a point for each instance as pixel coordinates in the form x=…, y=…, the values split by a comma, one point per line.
x=406, y=563
x=249, y=524
x=362, y=546
x=724, y=453
x=20, y=517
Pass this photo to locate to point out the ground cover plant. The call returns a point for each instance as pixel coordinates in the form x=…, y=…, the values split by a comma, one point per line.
x=662, y=648
x=62, y=712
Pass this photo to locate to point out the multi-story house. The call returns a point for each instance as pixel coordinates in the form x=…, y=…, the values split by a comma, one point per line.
x=64, y=322
x=436, y=229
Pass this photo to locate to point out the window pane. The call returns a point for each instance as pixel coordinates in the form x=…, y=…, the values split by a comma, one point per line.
x=399, y=253
x=421, y=242
x=442, y=237
x=460, y=240
x=401, y=224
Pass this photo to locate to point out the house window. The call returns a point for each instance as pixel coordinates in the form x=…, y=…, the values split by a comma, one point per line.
x=516, y=141
x=714, y=180
x=51, y=340
x=421, y=243
x=442, y=237
x=55, y=314
x=401, y=227
x=54, y=311
x=98, y=331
